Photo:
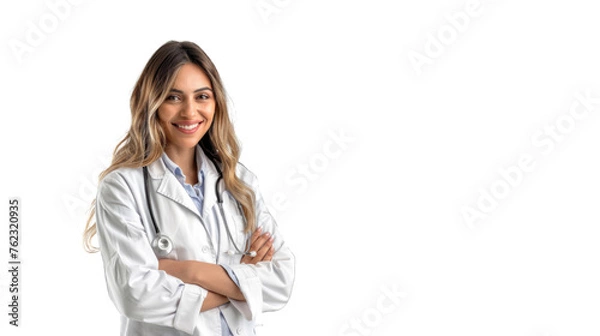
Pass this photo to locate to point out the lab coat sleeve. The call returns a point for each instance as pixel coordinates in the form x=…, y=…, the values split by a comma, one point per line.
x=266, y=286
x=135, y=285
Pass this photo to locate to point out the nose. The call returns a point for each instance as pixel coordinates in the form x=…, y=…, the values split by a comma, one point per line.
x=189, y=108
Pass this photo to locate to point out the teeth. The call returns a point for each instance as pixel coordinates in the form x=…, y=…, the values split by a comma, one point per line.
x=188, y=127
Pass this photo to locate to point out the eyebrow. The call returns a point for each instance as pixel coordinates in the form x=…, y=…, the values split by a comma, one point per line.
x=197, y=90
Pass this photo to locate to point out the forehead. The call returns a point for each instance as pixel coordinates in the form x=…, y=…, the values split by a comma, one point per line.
x=191, y=77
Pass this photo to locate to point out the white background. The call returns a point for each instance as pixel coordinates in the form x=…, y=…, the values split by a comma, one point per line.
x=385, y=212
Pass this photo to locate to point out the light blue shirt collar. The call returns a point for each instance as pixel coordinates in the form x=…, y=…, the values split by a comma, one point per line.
x=176, y=170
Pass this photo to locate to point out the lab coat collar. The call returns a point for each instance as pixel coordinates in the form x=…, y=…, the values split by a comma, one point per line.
x=166, y=184
x=170, y=187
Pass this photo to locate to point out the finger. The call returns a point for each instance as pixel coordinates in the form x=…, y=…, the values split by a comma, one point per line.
x=260, y=254
x=269, y=244
x=263, y=250
x=269, y=255
x=255, y=235
x=260, y=242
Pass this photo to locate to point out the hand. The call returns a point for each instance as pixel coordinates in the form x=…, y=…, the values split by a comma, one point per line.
x=262, y=243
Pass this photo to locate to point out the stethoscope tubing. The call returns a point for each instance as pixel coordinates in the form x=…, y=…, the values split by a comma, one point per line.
x=220, y=202
x=148, y=202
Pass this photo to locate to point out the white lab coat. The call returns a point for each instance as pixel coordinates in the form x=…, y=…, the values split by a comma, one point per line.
x=152, y=302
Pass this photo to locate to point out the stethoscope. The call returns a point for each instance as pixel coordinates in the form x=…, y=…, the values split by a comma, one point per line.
x=162, y=245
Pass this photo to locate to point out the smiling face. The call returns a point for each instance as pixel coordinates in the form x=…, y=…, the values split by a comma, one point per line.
x=187, y=113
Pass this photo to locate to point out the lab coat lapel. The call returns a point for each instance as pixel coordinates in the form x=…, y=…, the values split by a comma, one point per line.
x=166, y=184
x=210, y=179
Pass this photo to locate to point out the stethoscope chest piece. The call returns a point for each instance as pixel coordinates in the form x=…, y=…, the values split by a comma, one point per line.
x=162, y=245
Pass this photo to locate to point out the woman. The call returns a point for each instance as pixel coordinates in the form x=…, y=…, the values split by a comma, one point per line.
x=166, y=176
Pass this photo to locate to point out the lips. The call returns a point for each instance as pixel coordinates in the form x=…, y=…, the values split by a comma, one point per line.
x=187, y=127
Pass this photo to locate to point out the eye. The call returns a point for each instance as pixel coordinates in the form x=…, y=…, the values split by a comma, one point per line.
x=203, y=96
x=173, y=98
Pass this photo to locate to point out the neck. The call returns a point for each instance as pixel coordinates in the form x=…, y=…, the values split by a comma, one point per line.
x=186, y=160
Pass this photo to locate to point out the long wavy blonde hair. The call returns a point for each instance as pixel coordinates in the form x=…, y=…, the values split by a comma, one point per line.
x=145, y=141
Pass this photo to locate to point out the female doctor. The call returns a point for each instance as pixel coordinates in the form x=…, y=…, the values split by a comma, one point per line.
x=187, y=243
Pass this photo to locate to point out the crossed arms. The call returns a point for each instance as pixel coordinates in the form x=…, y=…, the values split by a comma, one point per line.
x=213, y=277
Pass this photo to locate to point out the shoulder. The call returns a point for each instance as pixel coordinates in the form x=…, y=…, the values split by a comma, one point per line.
x=246, y=175
x=120, y=180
